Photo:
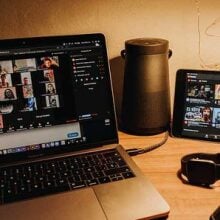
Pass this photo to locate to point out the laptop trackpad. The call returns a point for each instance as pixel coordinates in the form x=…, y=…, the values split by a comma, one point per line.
x=79, y=204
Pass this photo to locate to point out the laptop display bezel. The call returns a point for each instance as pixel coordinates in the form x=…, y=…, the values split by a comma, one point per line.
x=45, y=40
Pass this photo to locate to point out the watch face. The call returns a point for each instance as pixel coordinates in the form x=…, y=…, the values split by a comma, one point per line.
x=201, y=172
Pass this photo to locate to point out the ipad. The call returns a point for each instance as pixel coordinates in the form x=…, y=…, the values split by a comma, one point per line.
x=197, y=105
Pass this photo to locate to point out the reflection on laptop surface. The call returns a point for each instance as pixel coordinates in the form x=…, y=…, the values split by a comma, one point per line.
x=59, y=143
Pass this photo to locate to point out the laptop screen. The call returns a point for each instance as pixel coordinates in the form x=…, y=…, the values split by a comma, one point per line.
x=55, y=95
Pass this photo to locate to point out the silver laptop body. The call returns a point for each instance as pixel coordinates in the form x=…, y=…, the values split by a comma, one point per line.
x=60, y=105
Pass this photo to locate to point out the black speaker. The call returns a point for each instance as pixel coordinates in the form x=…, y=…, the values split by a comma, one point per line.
x=146, y=96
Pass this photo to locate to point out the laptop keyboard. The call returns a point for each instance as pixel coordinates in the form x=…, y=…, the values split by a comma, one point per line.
x=59, y=175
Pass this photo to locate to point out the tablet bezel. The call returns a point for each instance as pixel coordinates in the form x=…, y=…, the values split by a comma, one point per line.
x=179, y=104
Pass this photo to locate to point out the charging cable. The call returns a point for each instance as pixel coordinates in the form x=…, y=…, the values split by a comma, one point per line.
x=136, y=151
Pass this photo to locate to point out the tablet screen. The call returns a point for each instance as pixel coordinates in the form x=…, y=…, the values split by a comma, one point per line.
x=197, y=104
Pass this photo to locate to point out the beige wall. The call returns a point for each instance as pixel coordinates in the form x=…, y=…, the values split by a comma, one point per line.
x=119, y=20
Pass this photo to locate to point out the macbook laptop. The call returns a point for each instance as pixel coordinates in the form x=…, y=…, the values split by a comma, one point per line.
x=59, y=151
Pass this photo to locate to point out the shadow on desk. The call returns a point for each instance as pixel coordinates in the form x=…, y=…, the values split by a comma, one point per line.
x=164, y=218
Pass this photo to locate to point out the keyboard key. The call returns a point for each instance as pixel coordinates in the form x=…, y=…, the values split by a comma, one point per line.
x=104, y=180
x=92, y=182
x=35, y=193
x=128, y=175
x=77, y=185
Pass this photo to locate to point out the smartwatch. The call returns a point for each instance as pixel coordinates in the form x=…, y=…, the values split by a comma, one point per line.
x=201, y=168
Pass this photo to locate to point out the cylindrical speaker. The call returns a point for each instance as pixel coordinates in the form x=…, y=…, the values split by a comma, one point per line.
x=146, y=96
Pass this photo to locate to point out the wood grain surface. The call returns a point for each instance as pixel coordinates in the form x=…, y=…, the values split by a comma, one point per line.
x=161, y=167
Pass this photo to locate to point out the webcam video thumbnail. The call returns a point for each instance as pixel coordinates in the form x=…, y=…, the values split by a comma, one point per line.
x=198, y=115
x=198, y=93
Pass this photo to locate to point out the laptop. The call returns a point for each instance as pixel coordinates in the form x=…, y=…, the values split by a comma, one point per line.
x=59, y=151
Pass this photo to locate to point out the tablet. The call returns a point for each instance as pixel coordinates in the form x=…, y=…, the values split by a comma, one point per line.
x=197, y=105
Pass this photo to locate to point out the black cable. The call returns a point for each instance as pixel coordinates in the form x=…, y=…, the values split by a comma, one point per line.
x=136, y=151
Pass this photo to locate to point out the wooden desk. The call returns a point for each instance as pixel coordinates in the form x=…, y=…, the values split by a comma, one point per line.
x=161, y=165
